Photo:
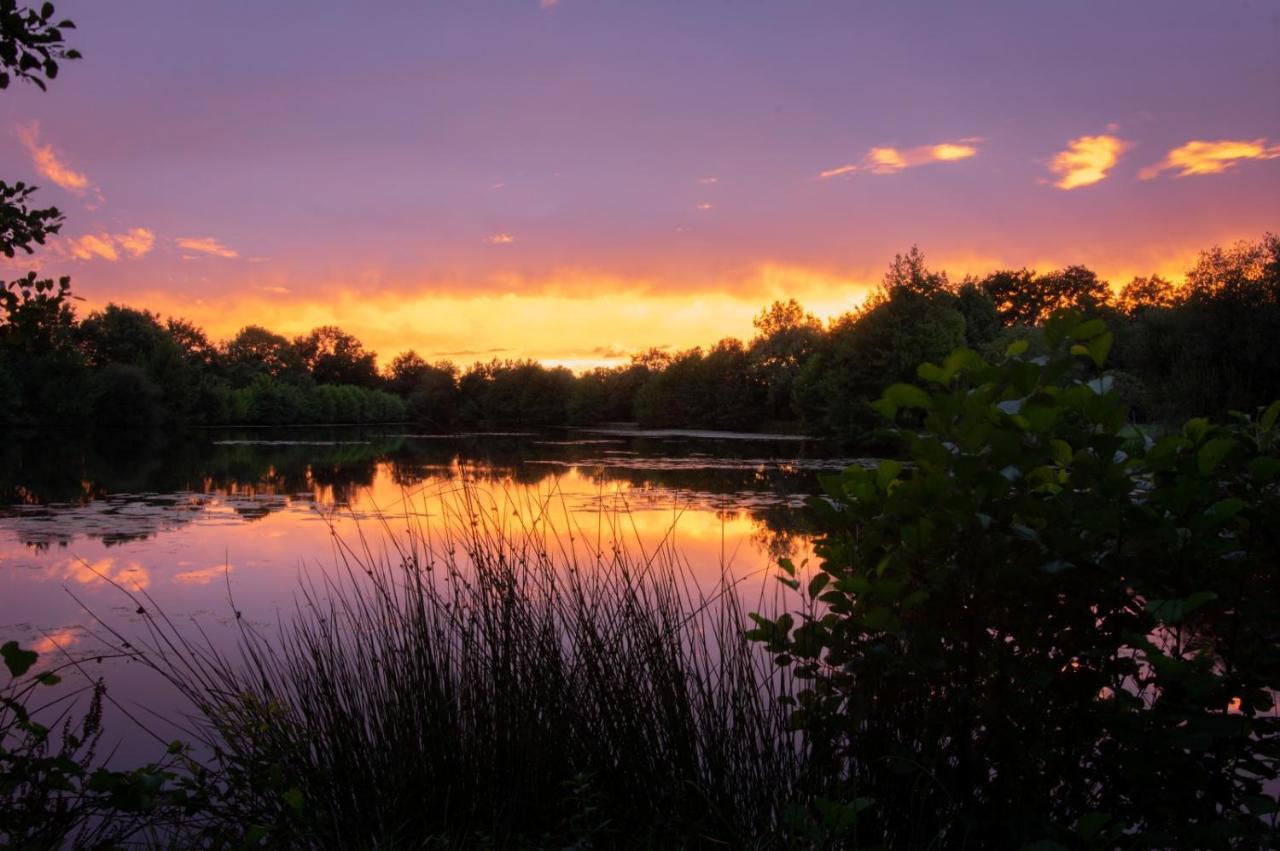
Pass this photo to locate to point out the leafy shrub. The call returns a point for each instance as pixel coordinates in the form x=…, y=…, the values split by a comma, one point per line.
x=1043, y=626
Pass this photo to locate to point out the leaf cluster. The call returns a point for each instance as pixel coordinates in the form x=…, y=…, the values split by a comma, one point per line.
x=31, y=44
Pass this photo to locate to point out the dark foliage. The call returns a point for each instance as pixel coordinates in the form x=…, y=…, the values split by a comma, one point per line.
x=1043, y=626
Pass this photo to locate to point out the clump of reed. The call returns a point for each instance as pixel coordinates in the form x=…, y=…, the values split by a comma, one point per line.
x=496, y=674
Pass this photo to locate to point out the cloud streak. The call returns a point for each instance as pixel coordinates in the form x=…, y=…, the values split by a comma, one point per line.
x=1087, y=160
x=48, y=163
x=500, y=239
x=888, y=160
x=1211, y=157
x=207, y=245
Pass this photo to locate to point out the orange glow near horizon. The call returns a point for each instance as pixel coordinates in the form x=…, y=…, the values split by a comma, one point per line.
x=576, y=325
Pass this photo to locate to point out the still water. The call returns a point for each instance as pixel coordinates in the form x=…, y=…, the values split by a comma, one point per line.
x=213, y=524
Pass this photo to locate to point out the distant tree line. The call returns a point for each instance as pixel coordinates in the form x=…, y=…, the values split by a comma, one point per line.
x=1206, y=345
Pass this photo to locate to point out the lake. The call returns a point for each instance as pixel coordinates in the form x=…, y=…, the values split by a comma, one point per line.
x=215, y=525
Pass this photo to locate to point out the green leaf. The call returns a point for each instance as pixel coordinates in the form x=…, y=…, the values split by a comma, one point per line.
x=17, y=660
x=1100, y=346
x=1269, y=416
x=887, y=472
x=293, y=797
x=1173, y=611
x=1212, y=453
x=933, y=372
x=1088, y=330
x=1091, y=824
x=964, y=360
x=907, y=396
x=1017, y=347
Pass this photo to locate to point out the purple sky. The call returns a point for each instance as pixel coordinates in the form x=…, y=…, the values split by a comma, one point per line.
x=411, y=170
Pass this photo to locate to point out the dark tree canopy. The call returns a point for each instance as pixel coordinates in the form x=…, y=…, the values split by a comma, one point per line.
x=333, y=356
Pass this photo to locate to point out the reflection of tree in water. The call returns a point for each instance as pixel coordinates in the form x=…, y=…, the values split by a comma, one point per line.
x=126, y=486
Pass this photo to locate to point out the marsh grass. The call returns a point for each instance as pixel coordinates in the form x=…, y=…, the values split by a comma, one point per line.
x=480, y=669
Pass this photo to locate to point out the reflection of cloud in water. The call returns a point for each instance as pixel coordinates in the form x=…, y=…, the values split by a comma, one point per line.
x=203, y=575
x=129, y=574
x=57, y=640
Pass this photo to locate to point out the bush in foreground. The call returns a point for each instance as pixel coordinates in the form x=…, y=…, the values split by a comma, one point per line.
x=1044, y=627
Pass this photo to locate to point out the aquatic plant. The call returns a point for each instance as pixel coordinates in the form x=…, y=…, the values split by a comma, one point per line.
x=494, y=673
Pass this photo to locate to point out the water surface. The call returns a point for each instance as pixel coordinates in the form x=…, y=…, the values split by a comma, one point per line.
x=216, y=526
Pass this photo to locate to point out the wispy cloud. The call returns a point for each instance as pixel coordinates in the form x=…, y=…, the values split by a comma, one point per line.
x=468, y=352
x=207, y=245
x=1087, y=160
x=547, y=4
x=48, y=163
x=1211, y=157
x=500, y=239
x=708, y=180
x=704, y=206
x=887, y=160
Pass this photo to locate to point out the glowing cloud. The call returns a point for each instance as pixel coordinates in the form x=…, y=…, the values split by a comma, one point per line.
x=207, y=245
x=1201, y=157
x=92, y=245
x=48, y=163
x=703, y=207
x=500, y=239
x=137, y=242
x=1086, y=160
x=886, y=160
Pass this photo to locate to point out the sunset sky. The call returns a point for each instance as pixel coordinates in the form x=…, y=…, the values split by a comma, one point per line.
x=576, y=180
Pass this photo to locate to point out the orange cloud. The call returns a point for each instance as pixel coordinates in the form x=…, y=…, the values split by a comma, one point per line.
x=137, y=242
x=94, y=245
x=204, y=575
x=1201, y=157
x=207, y=245
x=704, y=206
x=48, y=163
x=1087, y=160
x=886, y=160
x=500, y=239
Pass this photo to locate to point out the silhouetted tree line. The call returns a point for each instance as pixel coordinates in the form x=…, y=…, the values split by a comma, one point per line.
x=1207, y=345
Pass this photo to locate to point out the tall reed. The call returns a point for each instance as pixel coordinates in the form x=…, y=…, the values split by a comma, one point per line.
x=492, y=672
